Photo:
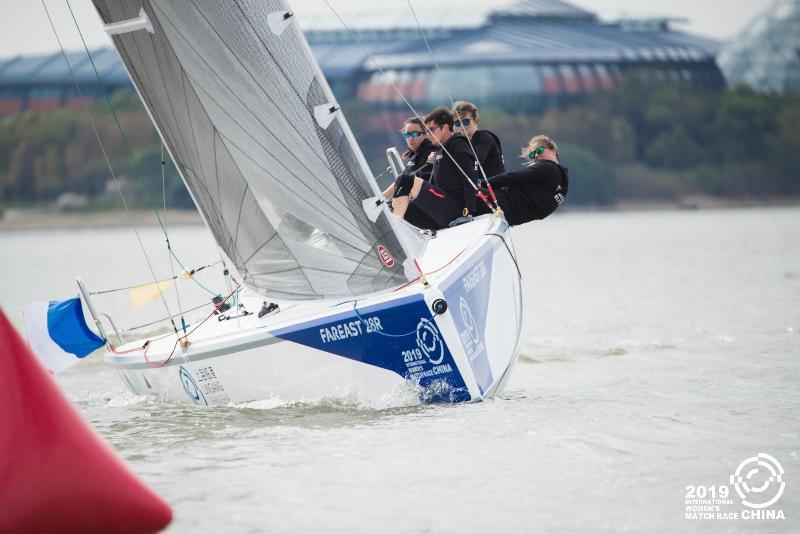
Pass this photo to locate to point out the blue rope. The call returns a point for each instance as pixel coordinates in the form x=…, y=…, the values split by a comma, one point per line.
x=364, y=322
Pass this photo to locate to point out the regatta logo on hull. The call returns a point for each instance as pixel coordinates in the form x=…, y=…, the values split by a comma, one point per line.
x=190, y=386
x=385, y=257
x=430, y=342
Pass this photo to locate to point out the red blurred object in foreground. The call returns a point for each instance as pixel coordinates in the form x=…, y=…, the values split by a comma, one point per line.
x=56, y=473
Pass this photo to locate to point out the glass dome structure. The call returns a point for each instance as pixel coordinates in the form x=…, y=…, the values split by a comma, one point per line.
x=766, y=56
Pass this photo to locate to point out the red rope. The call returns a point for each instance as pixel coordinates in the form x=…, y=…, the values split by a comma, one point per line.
x=144, y=348
x=417, y=279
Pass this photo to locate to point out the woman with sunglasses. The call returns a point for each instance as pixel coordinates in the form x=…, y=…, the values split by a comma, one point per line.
x=486, y=144
x=534, y=192
x=419, y=148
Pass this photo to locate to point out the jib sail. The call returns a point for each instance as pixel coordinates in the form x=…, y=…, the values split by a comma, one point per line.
x=260, y=142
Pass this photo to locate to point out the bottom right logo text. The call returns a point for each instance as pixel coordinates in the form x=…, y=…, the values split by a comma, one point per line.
x=758, y=482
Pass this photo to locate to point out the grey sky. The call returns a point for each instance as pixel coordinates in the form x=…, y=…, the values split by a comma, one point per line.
x=24, y=28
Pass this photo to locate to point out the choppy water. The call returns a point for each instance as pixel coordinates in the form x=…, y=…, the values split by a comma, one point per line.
x=660, y=350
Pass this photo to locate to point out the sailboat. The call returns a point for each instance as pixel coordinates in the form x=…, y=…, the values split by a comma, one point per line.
x=371, y=308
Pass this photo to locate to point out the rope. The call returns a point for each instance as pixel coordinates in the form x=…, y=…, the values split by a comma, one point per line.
x=146, y=346
x=139, y=327
x=99, y=140
x=405, y=100
x=423, y=275
x=452, y=100
x=124, y=137
x=413, y=332
x=190, y=273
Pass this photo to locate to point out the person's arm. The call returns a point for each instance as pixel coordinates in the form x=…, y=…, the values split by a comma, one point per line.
x=528, y=175
x=424, y=169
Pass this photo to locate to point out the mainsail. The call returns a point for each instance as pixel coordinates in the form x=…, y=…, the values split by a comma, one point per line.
x=261, y=144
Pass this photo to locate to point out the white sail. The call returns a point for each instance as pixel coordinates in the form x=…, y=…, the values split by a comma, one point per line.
x=262, y=146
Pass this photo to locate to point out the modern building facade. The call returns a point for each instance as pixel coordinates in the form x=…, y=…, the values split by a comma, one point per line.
x=513, y=55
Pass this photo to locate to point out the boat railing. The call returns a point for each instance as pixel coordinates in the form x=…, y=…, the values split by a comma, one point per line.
x=395, y=161
x=95, y=315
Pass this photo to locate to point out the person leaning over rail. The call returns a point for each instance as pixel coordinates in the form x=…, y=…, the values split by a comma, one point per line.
x=433, y=205
x=486, y=144
x=534, y=192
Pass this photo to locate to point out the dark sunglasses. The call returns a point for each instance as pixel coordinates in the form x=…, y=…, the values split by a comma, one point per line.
x=407, y=135
x=462, y=122
x=537, y=152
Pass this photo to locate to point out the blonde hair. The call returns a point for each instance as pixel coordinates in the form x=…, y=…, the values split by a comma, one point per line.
x=536, y=142
x=463, y=107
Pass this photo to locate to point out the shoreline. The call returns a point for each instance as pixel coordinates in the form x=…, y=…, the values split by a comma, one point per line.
x=17, y=219
x=43, y=219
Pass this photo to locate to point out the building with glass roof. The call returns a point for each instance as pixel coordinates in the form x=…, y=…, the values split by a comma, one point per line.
x=513, y=54
x=766, y=56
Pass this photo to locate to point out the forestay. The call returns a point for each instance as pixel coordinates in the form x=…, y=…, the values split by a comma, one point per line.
x=262, y=146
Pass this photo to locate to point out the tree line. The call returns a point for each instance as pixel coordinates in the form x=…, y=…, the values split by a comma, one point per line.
x=636, y=142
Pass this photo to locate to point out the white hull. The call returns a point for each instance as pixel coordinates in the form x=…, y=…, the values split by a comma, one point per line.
x=376, y=350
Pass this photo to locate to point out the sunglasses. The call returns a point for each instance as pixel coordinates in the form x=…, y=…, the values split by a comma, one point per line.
x=462, y=122
x=407, y=135
x=537, y=152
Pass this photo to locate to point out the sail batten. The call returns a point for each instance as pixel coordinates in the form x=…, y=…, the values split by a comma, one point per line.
x=238, y=107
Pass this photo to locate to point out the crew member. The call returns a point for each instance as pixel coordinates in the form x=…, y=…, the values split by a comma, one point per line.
x=433, y=205
x=534, y=192
x=419, y=148
x=486, y=144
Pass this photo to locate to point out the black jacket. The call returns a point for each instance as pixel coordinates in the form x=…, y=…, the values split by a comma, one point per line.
x=531, y=193
x=417, y=162
x=490, y=153
x=448, y=178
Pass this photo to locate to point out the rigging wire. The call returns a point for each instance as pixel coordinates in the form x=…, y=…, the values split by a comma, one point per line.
x=124, y=137
x=102, y=146
x=166, y=235
x=450, y=95
x=404, y=99
x=182, y=275
x=165, y=319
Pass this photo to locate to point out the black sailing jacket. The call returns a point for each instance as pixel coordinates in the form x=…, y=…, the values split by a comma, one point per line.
x=490, y=153
x=531, y=193
x=417, y=162
x=449, y=178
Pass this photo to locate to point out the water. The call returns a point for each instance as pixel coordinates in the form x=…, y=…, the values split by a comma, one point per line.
x=660, y=350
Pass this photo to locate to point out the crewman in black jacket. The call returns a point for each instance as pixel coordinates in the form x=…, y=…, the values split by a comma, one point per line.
x=486, y=144
x=534, y=192
x=433, y=205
